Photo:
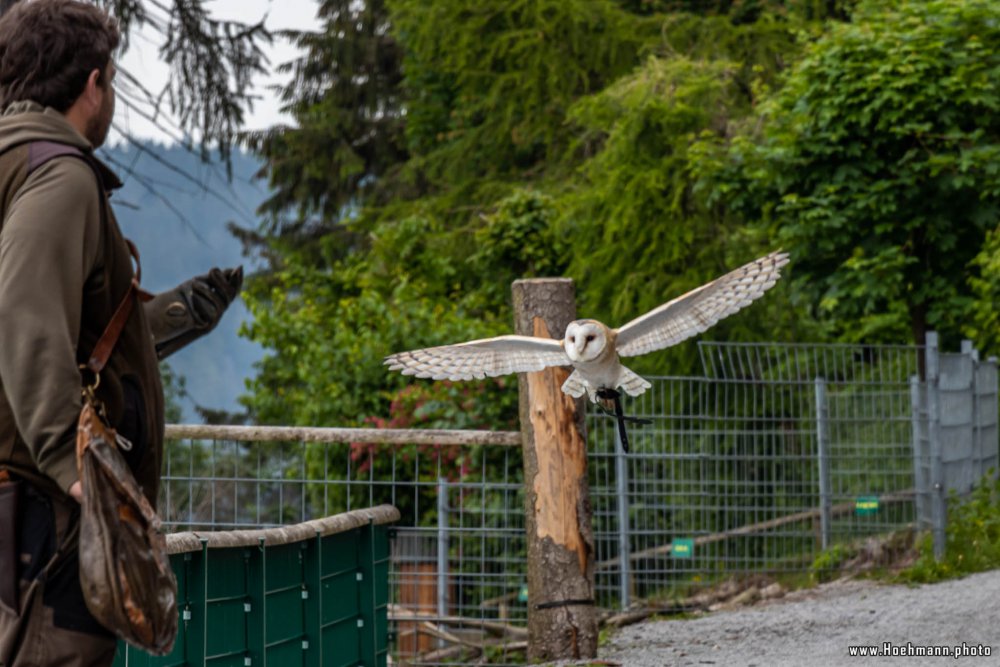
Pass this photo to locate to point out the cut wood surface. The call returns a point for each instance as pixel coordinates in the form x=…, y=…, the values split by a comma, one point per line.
x=562, y=459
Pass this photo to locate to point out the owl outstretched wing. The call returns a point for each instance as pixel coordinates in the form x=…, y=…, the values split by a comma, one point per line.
x=480, y=358
x=700, y=308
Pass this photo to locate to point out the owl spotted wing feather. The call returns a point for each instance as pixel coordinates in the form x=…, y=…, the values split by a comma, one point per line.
x=480, y=358
x=701, y=308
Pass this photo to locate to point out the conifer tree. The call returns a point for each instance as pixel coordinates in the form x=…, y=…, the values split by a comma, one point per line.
x=442, y=149
x=345, y=93
x=211, y=65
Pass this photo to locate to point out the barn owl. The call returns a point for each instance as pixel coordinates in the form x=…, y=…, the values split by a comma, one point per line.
x=594, y=349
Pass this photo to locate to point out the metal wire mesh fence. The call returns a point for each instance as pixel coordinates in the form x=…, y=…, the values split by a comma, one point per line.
x=753, y=468
x=778, y=452
x=458, y=554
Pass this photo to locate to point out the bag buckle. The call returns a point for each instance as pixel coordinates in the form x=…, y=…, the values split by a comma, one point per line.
x=89, y=392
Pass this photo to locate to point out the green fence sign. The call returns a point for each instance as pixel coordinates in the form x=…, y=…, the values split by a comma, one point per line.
x=682, y=547
x=866, y=505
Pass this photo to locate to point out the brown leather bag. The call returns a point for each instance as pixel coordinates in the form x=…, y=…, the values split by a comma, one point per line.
x=125, y=571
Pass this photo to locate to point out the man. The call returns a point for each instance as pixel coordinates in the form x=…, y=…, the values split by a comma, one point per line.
x=64, y=268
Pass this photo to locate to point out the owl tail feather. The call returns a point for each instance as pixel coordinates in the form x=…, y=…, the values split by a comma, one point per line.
x=575, y=385
x=631, y=382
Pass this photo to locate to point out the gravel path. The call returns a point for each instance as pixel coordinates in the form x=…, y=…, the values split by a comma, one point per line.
x=816, y=627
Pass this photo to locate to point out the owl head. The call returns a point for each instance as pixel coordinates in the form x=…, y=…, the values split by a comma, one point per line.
x=585, y=340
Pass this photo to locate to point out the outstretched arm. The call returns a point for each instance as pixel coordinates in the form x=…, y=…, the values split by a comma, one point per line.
x=192, y=309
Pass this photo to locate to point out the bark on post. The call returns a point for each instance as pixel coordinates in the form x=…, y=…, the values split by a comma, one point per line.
x=562, y=618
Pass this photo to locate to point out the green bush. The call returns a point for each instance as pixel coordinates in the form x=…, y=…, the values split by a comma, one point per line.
x=972, y=538
x=827, y=564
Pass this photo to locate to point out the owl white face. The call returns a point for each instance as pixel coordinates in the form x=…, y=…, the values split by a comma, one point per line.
x=585, y=340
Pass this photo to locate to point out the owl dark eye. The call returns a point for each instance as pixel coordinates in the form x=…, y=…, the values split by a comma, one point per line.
x=572, y=339
x=590, y=338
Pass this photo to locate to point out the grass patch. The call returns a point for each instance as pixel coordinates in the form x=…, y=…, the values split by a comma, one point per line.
x=826, y=566
x=872, y=557
x=972, y=538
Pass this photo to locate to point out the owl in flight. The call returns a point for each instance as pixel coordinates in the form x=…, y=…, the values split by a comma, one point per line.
x=592, y=348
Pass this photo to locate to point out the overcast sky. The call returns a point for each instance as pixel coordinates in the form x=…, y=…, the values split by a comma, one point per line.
x=142, y=60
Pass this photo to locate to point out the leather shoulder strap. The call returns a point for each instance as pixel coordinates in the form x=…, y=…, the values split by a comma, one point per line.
x=40, y=152
x=106, y=343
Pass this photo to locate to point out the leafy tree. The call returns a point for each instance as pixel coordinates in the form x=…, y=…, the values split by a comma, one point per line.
x=332, y=326
x=489, y=83
x=744, y=11
x=518, y=139
x=635, y=192
x=877, y=166
x=984, y=324
x=645, y=227
x=370, y=250
x=519, y=240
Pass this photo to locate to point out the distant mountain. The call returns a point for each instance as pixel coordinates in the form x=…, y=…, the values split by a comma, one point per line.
x=175, y=208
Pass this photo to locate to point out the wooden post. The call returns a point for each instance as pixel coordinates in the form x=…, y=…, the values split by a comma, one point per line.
x=562, y=618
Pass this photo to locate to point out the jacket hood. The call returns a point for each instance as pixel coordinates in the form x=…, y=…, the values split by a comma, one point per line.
x=22, y=122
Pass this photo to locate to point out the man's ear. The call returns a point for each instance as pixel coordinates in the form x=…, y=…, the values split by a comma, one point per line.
x=92, y=91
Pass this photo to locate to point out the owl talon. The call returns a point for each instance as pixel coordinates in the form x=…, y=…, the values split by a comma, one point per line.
x=620, y=417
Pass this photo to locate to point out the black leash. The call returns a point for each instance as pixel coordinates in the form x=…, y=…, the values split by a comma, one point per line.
x=619, y=415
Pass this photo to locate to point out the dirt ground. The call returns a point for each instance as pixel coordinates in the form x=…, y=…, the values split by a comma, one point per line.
x=817, y=626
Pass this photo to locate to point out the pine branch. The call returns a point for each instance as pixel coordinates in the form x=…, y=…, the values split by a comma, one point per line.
x=213, y=64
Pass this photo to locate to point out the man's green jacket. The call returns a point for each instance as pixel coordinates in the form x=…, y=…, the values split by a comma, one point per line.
x=64, y=268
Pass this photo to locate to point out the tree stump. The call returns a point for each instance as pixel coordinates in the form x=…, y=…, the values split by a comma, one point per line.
x=562, y=617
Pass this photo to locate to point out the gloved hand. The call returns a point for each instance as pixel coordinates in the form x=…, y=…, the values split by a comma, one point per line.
x=191, y=309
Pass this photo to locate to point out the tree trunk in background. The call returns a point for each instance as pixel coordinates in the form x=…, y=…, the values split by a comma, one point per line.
x=562, y=618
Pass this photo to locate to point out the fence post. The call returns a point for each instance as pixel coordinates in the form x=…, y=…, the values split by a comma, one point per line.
x=562, y=618
x=977, y=453
x=442, y=550
x=938, y=500
x=624, y=538
x=822, y=446
x=921, y=488
x=986, y=385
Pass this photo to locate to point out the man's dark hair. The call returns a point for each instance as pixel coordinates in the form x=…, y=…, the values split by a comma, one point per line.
x=48, y=48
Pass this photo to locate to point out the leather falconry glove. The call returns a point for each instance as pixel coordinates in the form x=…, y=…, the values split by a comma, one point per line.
x=192, y=309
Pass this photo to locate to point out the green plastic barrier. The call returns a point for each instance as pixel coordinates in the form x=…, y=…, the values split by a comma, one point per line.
x=315, y=593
